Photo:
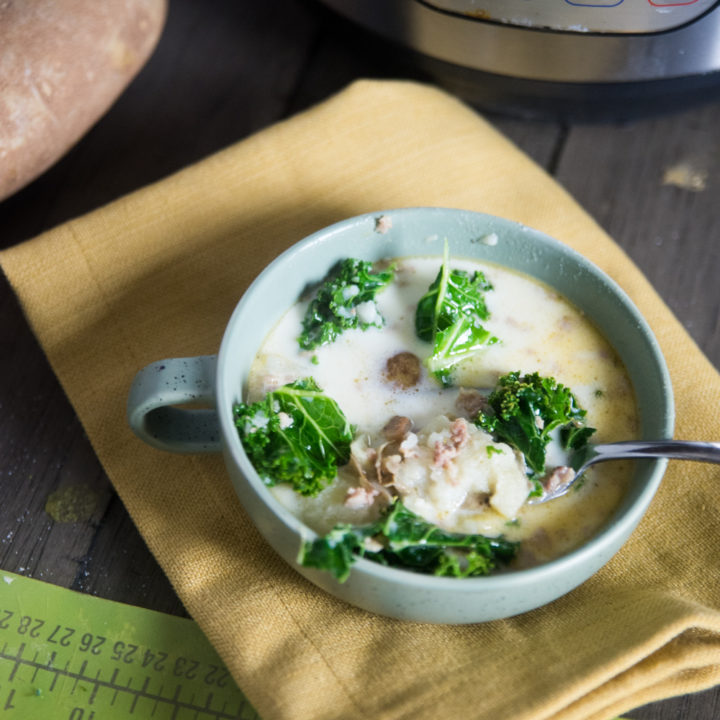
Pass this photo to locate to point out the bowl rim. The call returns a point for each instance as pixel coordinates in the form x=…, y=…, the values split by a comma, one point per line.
x=624, y=519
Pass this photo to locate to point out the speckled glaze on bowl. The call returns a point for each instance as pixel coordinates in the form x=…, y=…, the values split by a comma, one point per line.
x=422, y=231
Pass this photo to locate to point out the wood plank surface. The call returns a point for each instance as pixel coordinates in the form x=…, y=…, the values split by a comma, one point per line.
x=222, y=71
x=653, y=185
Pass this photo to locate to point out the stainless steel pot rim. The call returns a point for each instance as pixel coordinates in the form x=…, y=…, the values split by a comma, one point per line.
x=512, y=51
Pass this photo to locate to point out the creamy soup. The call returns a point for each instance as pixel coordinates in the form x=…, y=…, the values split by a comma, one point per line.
x=373, y=378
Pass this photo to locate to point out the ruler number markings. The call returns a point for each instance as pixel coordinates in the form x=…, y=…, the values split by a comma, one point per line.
x=105, y=675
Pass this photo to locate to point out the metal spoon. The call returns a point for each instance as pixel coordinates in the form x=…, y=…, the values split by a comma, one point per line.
x=591, y=454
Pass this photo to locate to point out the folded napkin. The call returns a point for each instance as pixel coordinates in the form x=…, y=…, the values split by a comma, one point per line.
x=157, y=273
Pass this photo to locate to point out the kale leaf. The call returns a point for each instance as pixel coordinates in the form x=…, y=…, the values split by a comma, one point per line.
x=523, y=412
x=297, y=435
x=345, y=300
x=402, y=539
x=460, y=340
x=450, y=316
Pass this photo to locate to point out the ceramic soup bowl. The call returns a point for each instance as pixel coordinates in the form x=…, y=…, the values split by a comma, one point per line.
x=159, y=389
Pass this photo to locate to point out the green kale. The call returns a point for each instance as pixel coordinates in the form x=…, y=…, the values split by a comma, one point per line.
x=336, y=305
x=295, y=435
x=523, y=412
x=460, y=340
x=450, y=316
x=402, y=539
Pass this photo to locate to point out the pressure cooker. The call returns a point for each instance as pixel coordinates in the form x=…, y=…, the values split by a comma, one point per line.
x=534, y=50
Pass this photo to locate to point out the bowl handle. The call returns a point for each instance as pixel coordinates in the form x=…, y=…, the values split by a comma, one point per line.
x=156, y=393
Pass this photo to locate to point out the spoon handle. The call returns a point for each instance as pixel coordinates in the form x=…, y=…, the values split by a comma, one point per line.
x=677, y=449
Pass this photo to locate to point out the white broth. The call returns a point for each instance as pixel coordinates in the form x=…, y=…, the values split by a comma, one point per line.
x=538, y=331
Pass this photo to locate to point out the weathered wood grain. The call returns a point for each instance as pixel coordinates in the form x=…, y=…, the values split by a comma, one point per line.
x=653, y=185
x=43, y=450
x=118, y=565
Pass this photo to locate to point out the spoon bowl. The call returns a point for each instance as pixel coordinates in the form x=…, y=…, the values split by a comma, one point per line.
x=631, y=449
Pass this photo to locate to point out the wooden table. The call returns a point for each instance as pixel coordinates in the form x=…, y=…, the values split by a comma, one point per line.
x=224, y=69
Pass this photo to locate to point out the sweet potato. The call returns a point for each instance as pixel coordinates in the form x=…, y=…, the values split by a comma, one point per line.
x=62, y=65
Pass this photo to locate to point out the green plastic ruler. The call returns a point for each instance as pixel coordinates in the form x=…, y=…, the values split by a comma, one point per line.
x=65, y=655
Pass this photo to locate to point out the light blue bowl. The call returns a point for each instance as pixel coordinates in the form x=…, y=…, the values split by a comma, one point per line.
x=421, y=231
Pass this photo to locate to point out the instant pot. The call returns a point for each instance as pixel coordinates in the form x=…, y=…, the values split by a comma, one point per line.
x=574, y=55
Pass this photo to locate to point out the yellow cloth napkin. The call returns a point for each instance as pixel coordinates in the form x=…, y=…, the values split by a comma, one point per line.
x=157, y=273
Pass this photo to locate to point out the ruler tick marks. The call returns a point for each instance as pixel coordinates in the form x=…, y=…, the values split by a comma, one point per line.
x=96, y=685
x=17, y=662
x=72, y=656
